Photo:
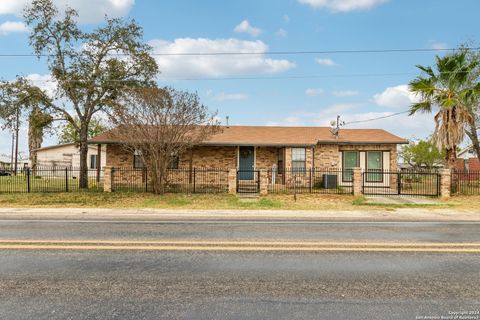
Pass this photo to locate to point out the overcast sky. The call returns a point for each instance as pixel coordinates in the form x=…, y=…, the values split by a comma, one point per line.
x=300, y=89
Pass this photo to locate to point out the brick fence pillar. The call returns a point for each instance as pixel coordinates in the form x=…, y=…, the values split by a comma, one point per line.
x=232, y=181
x=108, y=179
x=357, y=181
x=263, y=182
x=445, y=183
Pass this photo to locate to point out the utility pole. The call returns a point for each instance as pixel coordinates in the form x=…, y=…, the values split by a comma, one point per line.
x=13, y=151
x=17, y=128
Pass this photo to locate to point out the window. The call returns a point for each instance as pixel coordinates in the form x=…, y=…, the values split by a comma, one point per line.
x=93, y=161
x=280, y=161
x=374, y=166
x=174, y=161
x=298, y=160
x=350, y=161
x=137, y=159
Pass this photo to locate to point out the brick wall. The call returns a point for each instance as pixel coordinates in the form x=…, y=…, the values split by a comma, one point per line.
x=266, y=157
x=203, y=157
x=210, y=157
x=326, y=156
x=473, y=164
x=117, y=156
x=322, y=156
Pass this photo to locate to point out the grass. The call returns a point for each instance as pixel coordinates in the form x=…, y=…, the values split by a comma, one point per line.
x=216, y=201
x=41, y=184
x=181, y=201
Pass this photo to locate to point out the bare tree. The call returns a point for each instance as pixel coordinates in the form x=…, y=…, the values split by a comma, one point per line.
x=160, y=124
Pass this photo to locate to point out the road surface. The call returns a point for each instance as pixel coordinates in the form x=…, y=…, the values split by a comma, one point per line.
x=238, y=270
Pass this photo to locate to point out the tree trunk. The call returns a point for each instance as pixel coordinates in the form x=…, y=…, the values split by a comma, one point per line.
x=473, y=135
x=83, y=183
x=35, y=137
x=451, y=157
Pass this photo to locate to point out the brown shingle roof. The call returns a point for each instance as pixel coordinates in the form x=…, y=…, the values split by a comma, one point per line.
x=284, y=136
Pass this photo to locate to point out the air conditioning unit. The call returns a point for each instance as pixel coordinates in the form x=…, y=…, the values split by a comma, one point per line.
x=330, y=181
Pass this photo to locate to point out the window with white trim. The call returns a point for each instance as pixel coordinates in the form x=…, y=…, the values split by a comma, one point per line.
x=93, y=161
x=298, y=159
x=137, y=159
x=374, y=166
x=351, y=159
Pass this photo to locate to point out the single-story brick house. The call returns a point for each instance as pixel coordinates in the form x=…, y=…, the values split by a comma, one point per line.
x=277, y=149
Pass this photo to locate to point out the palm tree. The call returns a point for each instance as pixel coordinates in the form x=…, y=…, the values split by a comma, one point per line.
x=447, y=88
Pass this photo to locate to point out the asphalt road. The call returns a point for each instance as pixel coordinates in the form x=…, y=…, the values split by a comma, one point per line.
x=238, y=270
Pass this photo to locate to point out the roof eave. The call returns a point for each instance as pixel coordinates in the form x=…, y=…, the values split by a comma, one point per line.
x=361, y=142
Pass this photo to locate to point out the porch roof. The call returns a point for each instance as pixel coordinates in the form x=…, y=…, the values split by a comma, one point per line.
x=282, y=136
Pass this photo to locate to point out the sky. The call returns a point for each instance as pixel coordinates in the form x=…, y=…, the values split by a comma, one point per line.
x=276, y=89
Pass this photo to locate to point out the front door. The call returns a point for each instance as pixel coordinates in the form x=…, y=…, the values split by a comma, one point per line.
x=246, y=163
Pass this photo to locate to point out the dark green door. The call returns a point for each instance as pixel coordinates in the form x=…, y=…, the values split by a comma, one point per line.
x=246, y=163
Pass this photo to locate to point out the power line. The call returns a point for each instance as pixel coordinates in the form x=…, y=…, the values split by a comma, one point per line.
x=10, y=55
x=250, y=77
x=351, y=75
x=378, y=118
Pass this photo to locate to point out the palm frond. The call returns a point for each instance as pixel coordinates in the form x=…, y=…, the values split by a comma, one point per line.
x=423, y=107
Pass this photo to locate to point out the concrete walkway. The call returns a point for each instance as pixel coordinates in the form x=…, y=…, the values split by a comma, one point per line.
x=403, y=214
x=402, y=200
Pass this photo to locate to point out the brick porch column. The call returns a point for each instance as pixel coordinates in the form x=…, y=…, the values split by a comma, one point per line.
x=445, y=182
x=357, y=181
x=108, y=179
x=232, y=181
x=263, y=182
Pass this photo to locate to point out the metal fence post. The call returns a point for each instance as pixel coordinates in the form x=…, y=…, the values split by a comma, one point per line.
x=146, y=179
x=28, y=180
x=194, y=178
x=258, y=181
x=66, y=179
x=399, y=183
x=310, y=180
x=439, y=185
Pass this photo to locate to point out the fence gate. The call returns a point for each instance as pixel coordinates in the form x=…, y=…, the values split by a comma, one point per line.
x=248, y=181
x=401, y=183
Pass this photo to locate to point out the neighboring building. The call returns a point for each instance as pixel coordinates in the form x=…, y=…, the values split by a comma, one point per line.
x=467, y=160
x=6, y=161
x=277, y=149
x=68, y=155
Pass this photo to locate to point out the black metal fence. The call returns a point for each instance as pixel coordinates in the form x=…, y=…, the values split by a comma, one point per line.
x=312, y=180
x=248, y=181
x=401, y=183
x=47, y=179
x=465, y=182
x=183, y=180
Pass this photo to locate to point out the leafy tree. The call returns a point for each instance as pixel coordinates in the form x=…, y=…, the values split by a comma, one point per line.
x=423, y=153
x=448, y=88
x=92, y=69
x=17, y=100
x=472, y=129
x=159, y=124
x=68, y=134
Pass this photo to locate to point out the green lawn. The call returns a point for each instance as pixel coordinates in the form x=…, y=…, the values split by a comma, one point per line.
x=209, y=201
x=19, y=183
